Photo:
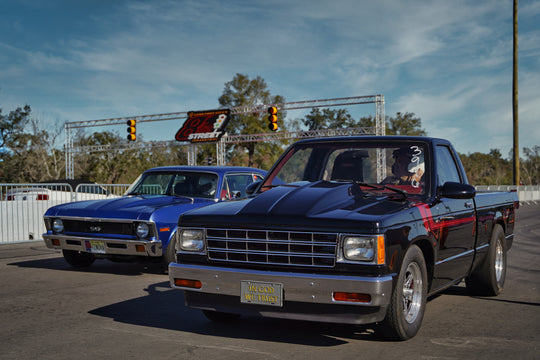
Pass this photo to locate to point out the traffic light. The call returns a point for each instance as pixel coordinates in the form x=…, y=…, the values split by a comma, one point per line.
x=272, y=118
x=132, y=130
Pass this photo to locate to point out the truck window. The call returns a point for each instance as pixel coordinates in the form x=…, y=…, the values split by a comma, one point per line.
x=446, y=166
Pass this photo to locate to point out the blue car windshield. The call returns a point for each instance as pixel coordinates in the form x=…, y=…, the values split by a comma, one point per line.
x=190, y=184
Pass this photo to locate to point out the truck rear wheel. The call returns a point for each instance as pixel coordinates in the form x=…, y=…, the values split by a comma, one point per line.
x=488, y=279
x=78, y=259
x=406, y=310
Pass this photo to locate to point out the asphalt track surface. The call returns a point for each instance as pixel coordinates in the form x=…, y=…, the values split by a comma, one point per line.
x=128, y=311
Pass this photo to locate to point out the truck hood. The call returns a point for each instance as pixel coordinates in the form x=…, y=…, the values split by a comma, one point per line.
x=312, y=204
x=127, y=207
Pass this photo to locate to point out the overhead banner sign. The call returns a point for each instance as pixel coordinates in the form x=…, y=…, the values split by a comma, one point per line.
x=204, y=126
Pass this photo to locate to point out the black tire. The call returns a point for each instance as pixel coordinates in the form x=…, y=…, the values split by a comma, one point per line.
x=169, y=255
x=408, y=302
x=220, y=317
x=78, y=259
x=488, y=278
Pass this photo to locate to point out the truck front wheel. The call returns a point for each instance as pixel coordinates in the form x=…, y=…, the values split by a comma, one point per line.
x=406, y=310
x=488, y=279
x=78, y=259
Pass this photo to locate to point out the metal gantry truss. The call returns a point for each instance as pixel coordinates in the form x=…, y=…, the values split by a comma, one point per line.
x=379, y=129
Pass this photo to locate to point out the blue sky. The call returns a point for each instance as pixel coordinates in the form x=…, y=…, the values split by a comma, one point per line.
x=449, y=62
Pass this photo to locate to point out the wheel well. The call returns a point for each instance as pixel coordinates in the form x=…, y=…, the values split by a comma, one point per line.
x=427, y=251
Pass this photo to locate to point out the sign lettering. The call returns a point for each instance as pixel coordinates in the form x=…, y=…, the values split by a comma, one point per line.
x=255, y=292
x=204, y=126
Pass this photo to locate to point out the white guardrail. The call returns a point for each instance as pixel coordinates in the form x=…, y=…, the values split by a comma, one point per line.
x=22, y=205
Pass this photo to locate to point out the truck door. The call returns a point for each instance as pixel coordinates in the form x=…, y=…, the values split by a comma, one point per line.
x=454, y=225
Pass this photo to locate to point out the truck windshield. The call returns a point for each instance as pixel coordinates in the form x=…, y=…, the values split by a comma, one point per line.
x=373, y=166
x=190, y=184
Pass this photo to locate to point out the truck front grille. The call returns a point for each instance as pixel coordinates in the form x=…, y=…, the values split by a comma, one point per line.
x=290, y=248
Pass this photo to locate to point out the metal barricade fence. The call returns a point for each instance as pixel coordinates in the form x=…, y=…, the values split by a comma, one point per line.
x=22, y=206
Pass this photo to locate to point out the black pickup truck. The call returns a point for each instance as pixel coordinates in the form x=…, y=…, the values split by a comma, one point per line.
x=354, y=230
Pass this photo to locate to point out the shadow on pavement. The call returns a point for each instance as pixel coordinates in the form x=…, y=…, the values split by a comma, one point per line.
x=164, y=308
x=99, y=267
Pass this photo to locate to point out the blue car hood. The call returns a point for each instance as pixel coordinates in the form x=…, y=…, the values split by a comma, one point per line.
x=126, y=207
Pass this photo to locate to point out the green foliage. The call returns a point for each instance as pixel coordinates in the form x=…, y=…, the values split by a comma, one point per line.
x=27, y=152
x=402, y=124
x=329, y=119
x=530, y=167
x=120, y=167
x=242, y=91
x=487, y=169
x=405, y=124
x=12, y=127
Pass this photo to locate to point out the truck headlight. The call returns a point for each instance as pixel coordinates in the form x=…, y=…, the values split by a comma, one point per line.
x=365, y=248
x=58, y=226
x=142, y=230
x=359, y=248
x=191, y=240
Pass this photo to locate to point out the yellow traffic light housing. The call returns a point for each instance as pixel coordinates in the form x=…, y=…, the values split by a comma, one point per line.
x=132, y=130
x=272, y=118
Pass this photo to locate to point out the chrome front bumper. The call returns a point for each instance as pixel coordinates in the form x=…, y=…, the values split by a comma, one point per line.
x=221, y=290
x=110, y=246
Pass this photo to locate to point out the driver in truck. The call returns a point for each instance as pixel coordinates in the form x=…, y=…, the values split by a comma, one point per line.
x=408, y=167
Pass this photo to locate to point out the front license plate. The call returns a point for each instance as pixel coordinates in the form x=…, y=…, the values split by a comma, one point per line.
x=261, y=293
x=95, y=246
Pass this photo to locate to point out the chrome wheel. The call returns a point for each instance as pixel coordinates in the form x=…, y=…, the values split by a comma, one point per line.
x=499, y=261
x=488, y=278
x=406, y=309
x=412, y=293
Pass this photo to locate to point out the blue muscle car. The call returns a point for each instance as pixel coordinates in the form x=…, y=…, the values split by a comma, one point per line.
x=142, y=223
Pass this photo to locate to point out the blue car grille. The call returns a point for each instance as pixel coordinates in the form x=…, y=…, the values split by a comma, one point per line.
x=98, y=227
x=291, y=248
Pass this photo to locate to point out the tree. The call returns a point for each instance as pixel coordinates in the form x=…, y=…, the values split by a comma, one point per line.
x=26, y=148
x=12, y=126
x=401, y=124
x=530, y=167
x=328, y=119
x=242, y=91
x=487, y=169
x=119, y=166
x=405, y=124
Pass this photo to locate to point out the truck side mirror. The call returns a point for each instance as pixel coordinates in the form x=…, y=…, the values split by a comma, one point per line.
x=250, y=189
x=455, y=190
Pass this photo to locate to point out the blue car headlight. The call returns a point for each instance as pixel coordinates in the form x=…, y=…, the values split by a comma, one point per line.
x=142, y=230
x=57, y=226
